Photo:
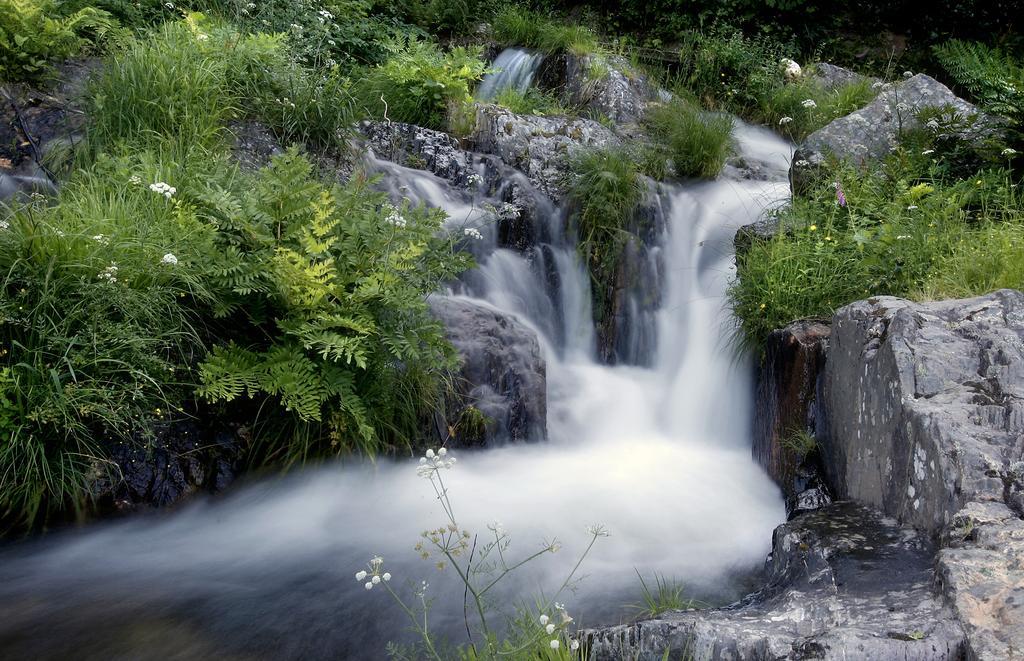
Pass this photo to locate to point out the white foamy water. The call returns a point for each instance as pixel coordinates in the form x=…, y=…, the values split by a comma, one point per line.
x=660, y=456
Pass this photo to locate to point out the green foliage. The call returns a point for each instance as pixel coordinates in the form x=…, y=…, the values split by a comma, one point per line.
x=452, y=16
x=909, y=230
x=531, y=102
x=790, y=101
x=666, y=595
x=800, y=443
x=725, y=69
x=606, y=190
x=993, y=77
x=95, y=342
x=419, y=82
x=514, y=25
x=697, y=143
x=33, y=33
x=333, y=282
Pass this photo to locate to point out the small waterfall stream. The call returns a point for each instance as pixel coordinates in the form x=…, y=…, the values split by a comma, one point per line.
x=513, y=68
x=660, y=455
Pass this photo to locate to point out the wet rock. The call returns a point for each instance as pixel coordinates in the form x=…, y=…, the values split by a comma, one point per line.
x=503, y=374
x=542, y=147
x=183, y=459
x=606, y=86
x=424, y=149
x=871, y=133
x=39, y=125
x=844, y=583
x=763, y=229
x=925, y=420
x=788, y=384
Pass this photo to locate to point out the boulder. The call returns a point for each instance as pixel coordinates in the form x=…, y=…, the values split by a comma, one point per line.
x=788, y=383
x=924, y=419
x=541, y=147
x=503, y=374
x=872, y=132
x=844, y=582
x=604, y=85
x=832, y=77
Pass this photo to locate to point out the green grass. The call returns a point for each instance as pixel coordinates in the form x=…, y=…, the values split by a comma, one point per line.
x=800, y=442
x=698, y=143
x=531, y=102
x=788, y=101
x=517, y=26
x=666, y=594
x=911, y=229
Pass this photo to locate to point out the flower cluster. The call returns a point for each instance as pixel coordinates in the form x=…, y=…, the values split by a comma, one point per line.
x=473, y=233
x=474, y=180
x=509, y=210
x=394, y=216
x=785, y=120
x=550, y=627
x=135, y=180
x=169, y=258
x=809, y=103
x=100, y=239
x=109, y=274
x=1008, y=152
x=163, y=189
x=286, y=102
x=432, y=462
x=840, y=195
x=4, y=225
x=375, y=575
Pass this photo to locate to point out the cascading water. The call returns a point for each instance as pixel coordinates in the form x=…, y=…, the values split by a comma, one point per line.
x=660, y=455
x=514, y=69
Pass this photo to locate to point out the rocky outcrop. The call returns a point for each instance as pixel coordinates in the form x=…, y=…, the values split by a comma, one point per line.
x=542, y=147
x=606, y=86
x=503, y=374
x=832, y=77
x=36, y=125
x=872, y=132
x=788, y=383
x=925, y=420
x=844, y=583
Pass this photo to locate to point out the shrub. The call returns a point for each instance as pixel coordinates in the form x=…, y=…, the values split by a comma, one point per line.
x=698, y=143
x=418, y=82
x=516, y=26
x=327, y=287
x=33, y=33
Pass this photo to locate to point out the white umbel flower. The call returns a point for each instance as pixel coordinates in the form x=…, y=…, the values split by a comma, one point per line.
x=169, y=258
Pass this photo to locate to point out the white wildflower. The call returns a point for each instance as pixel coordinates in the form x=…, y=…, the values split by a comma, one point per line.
x=908, y=74
x=1008, y=152
x=927, y=151
x=99, y=238
x=877, y=85
x=550, y=629
x=911, y=207
x=473, y=233
x=169, y=5
x=202, y=37
x=801, y=163
x=932, y=124
x=163, y=189
x=368, y=586
x=375, y=580
x=109, y=274
x=135, y=180
x=574, y=645
x=474, y=180
x=386, y=576
x=554, y=644
x=4, y=225
x=902, y=107
x=394, y=216
x=809, y=103
x=544, y=620
x=434, y=462
x=509, y=210
x=902, y=237
x=597, y=530
x=360, y=575
x=169, y=258
x=251, y=5
x=785, y=120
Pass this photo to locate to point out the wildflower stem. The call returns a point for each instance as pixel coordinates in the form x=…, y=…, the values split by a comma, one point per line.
x=423, y=629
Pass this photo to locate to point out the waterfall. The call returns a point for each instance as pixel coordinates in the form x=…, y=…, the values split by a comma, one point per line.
x=514, y=68
x=660, y=455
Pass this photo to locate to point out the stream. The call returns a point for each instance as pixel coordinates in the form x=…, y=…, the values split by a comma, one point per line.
x=657, y=450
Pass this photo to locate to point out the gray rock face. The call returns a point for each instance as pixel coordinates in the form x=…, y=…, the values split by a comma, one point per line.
x=420, y=148
x=832, y=77
x=605, y=85
x=844, y=583
x=873, y=131
x=787, y=393
x=503, y=374
x=925, y=420
x=541, y=147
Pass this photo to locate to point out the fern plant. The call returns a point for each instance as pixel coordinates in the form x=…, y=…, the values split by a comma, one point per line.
x=994, y=78
x=330, y=285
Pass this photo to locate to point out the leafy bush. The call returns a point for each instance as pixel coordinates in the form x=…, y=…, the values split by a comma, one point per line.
x=33, y=33
x=419, y=82
x=516, y=26
x=906, y=230
x=697, y=143
x=331, y=283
